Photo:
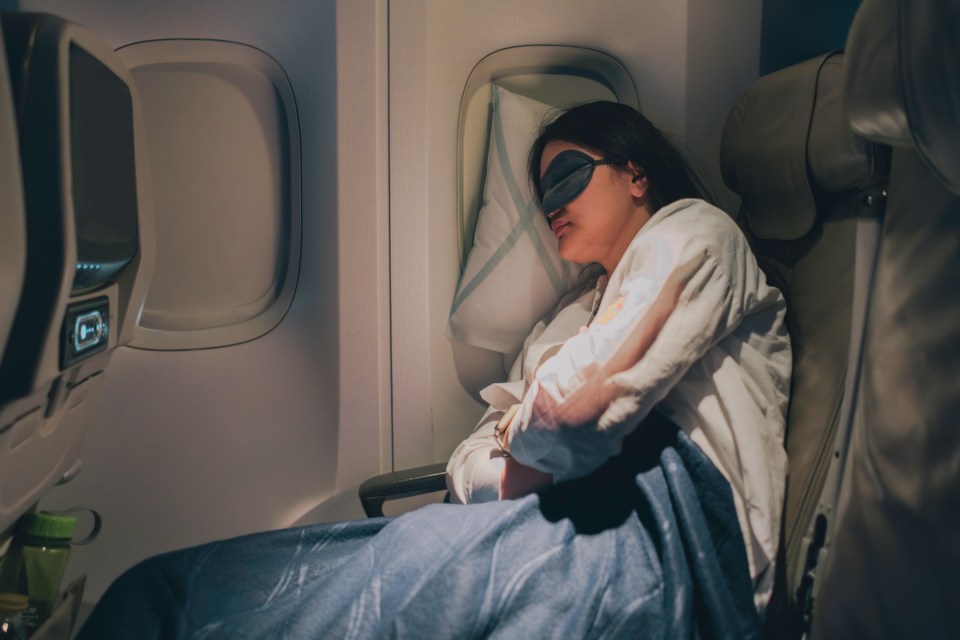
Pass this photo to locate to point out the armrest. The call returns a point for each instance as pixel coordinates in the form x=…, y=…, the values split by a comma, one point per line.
x=401, y=484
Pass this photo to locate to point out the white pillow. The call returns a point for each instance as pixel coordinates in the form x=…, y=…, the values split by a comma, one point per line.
x=513, y=275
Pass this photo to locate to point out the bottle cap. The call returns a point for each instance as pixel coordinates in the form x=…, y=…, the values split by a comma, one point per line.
x=46, y=525
x=13, y=602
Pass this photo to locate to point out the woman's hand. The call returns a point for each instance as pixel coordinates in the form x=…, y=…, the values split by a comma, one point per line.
x=517, y=480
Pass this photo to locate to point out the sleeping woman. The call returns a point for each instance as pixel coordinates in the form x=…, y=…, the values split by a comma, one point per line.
x=681, y=322
x=627, y=481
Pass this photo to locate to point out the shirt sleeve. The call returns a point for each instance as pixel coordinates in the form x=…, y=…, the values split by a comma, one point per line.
x=679, y=295
x=473, y=472
x=474, y=468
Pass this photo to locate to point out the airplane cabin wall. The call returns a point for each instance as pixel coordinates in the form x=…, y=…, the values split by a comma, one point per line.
x=191, y=446
x=358, y=378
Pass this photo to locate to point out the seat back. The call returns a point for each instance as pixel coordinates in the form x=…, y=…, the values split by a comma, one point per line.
x=88, y=237
x=805, y=180
x=891, y=572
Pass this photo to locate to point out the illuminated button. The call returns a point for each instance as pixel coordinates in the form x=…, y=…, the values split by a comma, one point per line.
x=88, y=330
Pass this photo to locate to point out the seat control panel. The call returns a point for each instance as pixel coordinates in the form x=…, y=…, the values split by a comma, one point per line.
x=85, y=330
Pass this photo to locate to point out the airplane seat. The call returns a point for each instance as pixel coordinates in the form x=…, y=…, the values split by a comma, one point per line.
x=892, y=569
x=88, y=237
x=806, y=180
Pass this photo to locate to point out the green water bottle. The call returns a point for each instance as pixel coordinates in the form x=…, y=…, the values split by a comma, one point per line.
x=12, y=606
x=35, y=563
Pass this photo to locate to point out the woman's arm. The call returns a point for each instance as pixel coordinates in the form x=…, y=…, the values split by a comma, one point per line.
x=518, y=480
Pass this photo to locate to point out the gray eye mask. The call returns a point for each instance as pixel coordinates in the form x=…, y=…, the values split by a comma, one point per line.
x=567, y=175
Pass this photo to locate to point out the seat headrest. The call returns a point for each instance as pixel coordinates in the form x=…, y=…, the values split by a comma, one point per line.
x=787, y=139
x=903, y=79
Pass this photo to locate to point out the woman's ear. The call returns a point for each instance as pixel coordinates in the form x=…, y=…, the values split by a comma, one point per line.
x=639, y=183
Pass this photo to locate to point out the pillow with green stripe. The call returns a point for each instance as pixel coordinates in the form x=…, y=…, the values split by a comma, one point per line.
x=513, y=275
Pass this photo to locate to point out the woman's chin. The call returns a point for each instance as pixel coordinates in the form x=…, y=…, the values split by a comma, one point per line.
x=568, y=252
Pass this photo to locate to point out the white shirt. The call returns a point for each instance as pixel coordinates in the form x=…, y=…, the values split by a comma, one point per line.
x=686, y=322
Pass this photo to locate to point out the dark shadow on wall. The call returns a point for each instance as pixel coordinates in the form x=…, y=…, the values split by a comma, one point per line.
x=792, y=30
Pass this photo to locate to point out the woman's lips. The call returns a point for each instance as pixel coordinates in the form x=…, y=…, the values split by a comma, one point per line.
x=557, y=226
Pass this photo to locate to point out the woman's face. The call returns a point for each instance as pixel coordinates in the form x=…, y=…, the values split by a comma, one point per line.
x=599, y=224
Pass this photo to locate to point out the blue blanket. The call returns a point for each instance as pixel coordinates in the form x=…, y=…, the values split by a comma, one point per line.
x=647, y=546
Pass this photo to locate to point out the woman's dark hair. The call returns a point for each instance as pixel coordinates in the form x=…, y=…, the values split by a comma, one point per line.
x=619, y=131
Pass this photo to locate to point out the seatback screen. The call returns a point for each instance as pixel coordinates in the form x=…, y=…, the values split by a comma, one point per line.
x=103, y=170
